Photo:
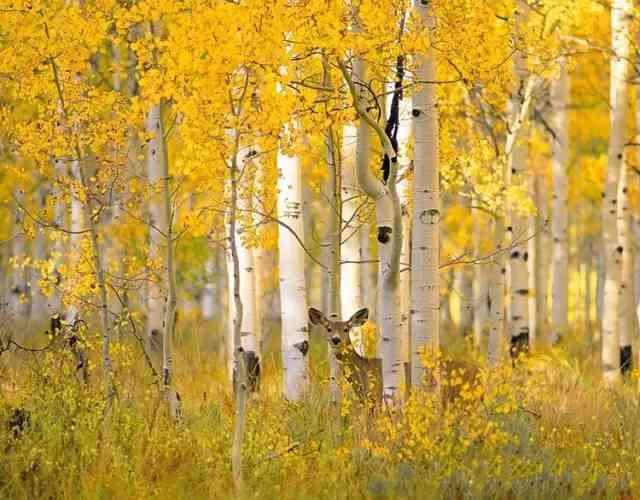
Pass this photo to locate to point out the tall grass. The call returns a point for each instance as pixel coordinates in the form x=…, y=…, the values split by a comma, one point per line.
x=546, y=429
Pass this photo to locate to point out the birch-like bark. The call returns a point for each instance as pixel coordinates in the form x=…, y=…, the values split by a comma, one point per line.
x=620, y=33
x=248, y=339
x=425, y=245
x=543, y=249
x=333, y=243
x=480, y=283
x=538, y=262
x=19, y=294
x=77, y=226
x=39, y=252
x=54, y=302
x=293, y=289
x=600, y=279
x=405, y=190
x=464, y=287
x=208, y=299
x=162, y=246
x=626, y=316
x=497, y=280
x=356, y=140
x=158, y=229
x=239, y=356
x=560, y=216
x=389, y=223
x=516, y=172
x=636, y=274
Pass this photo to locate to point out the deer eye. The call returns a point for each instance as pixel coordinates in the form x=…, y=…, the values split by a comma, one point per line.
x=328, y=329
x=346, y=330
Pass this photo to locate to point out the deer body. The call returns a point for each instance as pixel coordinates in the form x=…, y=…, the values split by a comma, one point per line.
x=365, y=374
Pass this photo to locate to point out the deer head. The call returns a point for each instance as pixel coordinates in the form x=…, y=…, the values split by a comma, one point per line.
x=337, y=332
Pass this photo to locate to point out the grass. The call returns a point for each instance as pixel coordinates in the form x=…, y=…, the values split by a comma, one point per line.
x=547, y=429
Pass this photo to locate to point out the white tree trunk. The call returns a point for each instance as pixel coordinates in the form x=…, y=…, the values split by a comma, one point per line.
x=351, y=296
x=158, y=227
x=626, y=316
x=636, y=274
x=246, y=271
x=405, y=191
x=620, y=33
x=389, y=223
x=39, y=252
x=560, y=216
x=19, y=294
x=516, y=173
x=293, y=289
x=464, y=288
x=498, y=282
x=77, y=226
x=538, y=262
x=425, y=248
x=480, y=283
x=208, y=299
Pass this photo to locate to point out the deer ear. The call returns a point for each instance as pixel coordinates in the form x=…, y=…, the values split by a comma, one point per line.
x=316, y=317
x=359, y=318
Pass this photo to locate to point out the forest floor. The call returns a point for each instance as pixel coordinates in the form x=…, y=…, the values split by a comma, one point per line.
x=546, y=429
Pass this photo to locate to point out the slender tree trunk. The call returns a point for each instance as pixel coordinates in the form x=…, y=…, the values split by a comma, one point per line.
x=480, y=283
x=389, y=223
x=538, y=263
x=543, y=250
x=425, y=246
x=636, y=274
x=600, y=278
x=351, y=296
x=588, y=300
x=463, y=283
x=333, y=270
x=158, y=229
x=497, y=280
x=516, y=173
x=161, y=249
x=77, y=226
x=560, y=220
x=293, y=289
x=54, y=302
x=19, y=298
x=239, y=357
x=626, y=317
x=247, y=292
x=39, y=252
x=208, y=299
x=620, y=33
x=405, y=190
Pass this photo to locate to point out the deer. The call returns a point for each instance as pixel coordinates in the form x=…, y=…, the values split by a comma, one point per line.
x=365, y=374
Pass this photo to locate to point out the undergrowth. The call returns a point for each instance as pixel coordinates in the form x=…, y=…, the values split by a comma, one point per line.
x=545, y=429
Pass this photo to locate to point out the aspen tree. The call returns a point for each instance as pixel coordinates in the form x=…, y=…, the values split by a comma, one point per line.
x=19, y=293
x=39, y=251
x=516, y=171
x=293, y=288
x=626, y=316
x=480, y=283
x=163, y=310
x=333, y=243
x=425, y=245
x=559, y=221
x=613, y=250
x=389, y=223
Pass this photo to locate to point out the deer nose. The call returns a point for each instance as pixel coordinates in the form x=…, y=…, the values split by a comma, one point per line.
x=335, y=340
